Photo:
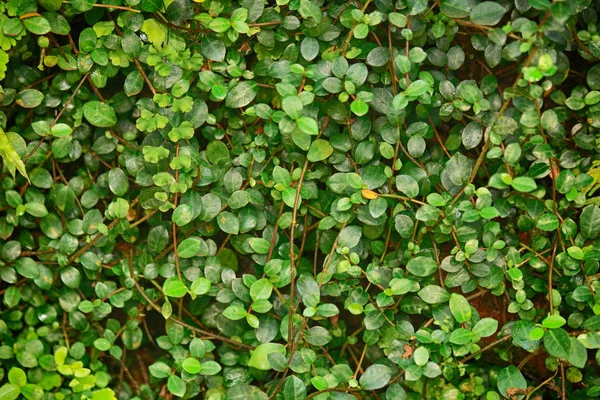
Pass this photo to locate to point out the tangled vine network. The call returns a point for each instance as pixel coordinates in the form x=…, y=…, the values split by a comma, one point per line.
x=299, y=199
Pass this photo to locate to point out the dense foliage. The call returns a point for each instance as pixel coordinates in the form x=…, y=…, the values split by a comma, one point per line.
x=299, y=199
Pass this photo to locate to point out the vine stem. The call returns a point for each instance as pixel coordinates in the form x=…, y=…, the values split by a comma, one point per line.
x=293, y=255
x=292, y=251
x=96, y=238
x=541, y=385
x=111, y=6
x=488, y=131
x=349, y=37
x=39, y=143
x=173, y=226
x=486, y=348
x=178, y=321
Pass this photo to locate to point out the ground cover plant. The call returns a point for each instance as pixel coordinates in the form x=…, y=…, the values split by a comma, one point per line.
x=299, y=199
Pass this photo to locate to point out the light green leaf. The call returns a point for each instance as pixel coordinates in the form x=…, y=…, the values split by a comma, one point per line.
x=176, y=385
x=99, y=114
x=259, y=358
x=319, y=150
x=9, y=155
x=261, y=289
x=9, y=391
x=460, y=308
x=524, y=184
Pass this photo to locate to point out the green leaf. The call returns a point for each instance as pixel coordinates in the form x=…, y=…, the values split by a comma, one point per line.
x=292, y=105
x=219, y=25
x=99, y=114
x=183, y=215
x=576, y=252
x=408, y=185
x=318, y=336
x=29, y=98
x=9, y=391
x=117, y=182
x=319, y=150
x=10, y=157
x=361, y=31
x=209, y=368
x=350, y=236
x=421, y=266
x=191, y=365
x=375, y=377
x=190, y=247
x=51, y=5
x=27, y=268
x=461, y=336
x=282, y=176
x=234, y=313
x=102, y=344
x=398, y=19
x=37, y=25
x=212, y=48
x=309, y=9
x=487, y=13
x=308, y=125
x=427, y=213
x=241, y=94
x=259, y=358
x=217, y=152
x=173, y=287
x=561, y=11
x=158, y=238
x=228, y=223
x=309, y=290
x=553, y=321
x=557, y=343
x=421, y=356
x=510, y=378
x=547, y=222
x=103, y=394
x=176, y=385
x=589, y=220
x=540, y=4
x=578, y=355
x=294, y=389
x=485, y=327
x=457, y=8
x=17, y=376
x=359, y=107
x=472, y=135
x=261, y=289
x=36, y=209
x=434, y=294
x=61, y=130
x=524, y=184
x=460, y=308
x=309, y=48
x=134, y=83
x=378, y=57
x=417, y=88
x=200, y=286
x=259, y=245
